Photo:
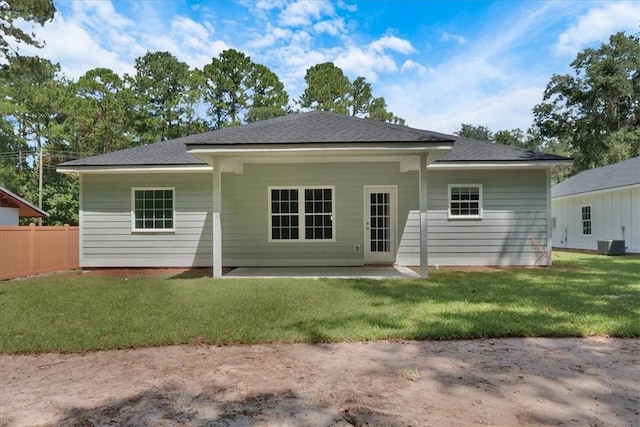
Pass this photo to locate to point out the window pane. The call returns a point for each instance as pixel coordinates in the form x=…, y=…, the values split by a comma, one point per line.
x=153, y=209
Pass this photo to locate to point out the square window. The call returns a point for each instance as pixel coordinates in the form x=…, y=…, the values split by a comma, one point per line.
x=465, y=201
x=152, y=209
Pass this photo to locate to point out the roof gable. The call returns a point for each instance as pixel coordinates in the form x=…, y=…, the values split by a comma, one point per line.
x=25, y=209
x=611, y=176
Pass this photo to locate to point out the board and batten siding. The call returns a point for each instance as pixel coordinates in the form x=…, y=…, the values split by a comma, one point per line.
x=245, y=212
x=610, y=211
x=514, y=213
x=107, y=239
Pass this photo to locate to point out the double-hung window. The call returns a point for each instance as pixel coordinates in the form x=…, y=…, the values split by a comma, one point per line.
x=465, y=201
x=586, y=220
x=301, y=213
x=153, y=209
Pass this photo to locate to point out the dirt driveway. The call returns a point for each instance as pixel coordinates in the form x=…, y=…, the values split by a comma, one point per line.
x=586, y=382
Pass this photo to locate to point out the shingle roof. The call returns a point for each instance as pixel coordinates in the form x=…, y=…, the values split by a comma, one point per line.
x=314, y=127
x=164, y=153
x=611, y=176
x=25, y=209
x=473, y=150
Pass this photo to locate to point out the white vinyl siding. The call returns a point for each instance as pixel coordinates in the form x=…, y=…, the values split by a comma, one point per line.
x=615, y=215
x=514, y=211
x=106, y=210
x=246, y=231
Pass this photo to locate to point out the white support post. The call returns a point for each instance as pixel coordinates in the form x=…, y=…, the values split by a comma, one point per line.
x=424, y=240
x=217, y=224
x=549, y=221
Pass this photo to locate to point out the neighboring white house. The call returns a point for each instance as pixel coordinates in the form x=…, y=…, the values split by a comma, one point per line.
x=312, y=189
x=598, y=204
x=13, y=207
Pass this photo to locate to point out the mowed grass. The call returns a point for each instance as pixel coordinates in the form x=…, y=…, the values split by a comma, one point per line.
x=581, y=295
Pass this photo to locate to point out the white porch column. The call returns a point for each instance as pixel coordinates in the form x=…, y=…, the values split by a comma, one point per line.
x=424, y=240
x=215, y=216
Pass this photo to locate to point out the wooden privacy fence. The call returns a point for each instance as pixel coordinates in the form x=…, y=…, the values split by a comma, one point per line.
x=29, y=250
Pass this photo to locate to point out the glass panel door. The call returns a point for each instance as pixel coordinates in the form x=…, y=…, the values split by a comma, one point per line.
x=380, y=224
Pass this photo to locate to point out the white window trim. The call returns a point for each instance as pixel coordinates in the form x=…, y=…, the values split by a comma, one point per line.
x=480, y=202
x=301, y=213
x=582, y=220
x=133, y=213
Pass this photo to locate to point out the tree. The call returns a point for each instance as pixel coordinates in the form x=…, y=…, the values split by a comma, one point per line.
x=32, y=95
x=96, y=115
x=596, y=111
x=328, y=89
x=166, y=93
x=237, y=90
x=38, y=11
x=268, y=98
x=475, y=132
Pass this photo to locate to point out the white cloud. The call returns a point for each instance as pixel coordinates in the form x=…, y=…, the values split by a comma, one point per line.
x=412, y=66
x=598, y=24
x=374, y=58
x=303, y=12
x=392, y=43
x=447, y=37
x=332, y=27
x=68, y=43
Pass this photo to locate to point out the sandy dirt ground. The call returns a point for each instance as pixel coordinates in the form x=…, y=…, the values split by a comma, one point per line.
x=508, y=382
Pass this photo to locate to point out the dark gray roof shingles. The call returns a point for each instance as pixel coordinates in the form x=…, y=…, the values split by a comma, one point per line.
x=315, y=127
x=606, y=177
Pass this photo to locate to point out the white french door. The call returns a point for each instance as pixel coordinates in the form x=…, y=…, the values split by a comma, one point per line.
x=380, y=207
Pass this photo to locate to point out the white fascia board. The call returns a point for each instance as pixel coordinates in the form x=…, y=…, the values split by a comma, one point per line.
x=596, y=192
x=134, y=169
x=320, y=149
x=543, y=164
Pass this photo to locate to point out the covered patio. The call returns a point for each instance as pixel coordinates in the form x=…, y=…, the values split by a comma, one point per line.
x=368, y=272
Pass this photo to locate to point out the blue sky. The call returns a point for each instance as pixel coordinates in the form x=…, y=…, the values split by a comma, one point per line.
x=437, y=63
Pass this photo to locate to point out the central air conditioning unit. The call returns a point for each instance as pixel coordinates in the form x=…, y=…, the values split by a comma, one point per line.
x=611, y=247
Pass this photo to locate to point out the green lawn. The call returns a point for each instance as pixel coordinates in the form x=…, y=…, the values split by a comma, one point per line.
x=582, y=295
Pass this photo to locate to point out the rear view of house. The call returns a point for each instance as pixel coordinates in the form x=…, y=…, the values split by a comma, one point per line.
x=313, y=189
x=600, y=204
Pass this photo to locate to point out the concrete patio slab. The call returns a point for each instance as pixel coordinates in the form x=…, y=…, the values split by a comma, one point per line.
x=371, y=272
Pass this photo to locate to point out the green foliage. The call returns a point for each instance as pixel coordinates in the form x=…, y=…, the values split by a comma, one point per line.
x=36, y=11
x=596, y=111
x=474, y=132
x=328, y=89
x=581, y=295
x=166, y=93
x=238, y=90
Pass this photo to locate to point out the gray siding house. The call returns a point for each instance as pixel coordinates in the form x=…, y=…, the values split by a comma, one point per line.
x=312, y=189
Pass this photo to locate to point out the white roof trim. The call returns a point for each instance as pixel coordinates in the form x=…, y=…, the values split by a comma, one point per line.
x=500, y=165
x=321, y=151
x=135, y=169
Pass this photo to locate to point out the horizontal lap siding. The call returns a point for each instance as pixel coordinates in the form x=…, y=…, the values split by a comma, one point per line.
x=107, y=239
x=514, y=212
x=245, y=222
